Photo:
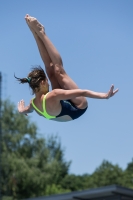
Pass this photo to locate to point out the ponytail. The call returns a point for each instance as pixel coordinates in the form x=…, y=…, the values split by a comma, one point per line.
x=23, y=80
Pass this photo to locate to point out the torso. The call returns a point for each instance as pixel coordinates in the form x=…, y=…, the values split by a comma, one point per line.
x=54, y=109
x=51, y=110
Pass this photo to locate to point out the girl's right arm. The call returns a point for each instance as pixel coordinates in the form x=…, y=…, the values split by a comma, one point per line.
x=60, y=94
x=24, y=109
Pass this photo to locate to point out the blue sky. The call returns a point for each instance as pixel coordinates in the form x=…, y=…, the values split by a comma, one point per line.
x=95, y=40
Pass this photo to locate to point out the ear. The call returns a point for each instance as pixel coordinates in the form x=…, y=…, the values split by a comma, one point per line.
x=42, y=82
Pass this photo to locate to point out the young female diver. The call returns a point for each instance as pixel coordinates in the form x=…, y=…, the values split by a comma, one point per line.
x=66, y=101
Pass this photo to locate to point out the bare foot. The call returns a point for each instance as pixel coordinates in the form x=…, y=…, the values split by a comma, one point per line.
x=29, y=25
x=34, y=24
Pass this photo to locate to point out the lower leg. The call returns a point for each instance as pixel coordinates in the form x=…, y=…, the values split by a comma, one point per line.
x=46, y=59
x=52, y=51
x=43, y=52
x=47, y=62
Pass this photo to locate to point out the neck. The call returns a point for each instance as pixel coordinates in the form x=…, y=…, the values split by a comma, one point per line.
x=39, y=94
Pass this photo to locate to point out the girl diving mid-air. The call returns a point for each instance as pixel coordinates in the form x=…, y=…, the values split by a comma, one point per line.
x=66, y=101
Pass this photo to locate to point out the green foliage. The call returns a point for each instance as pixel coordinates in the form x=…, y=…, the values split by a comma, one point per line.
x=73, y=182
x=128, y=175
x=7, y=198
x=34, y=166
x=29, y=163
x=55, y=189
x=107, y=174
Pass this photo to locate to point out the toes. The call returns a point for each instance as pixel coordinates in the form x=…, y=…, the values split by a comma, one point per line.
x=40, y=26
x=26, y=16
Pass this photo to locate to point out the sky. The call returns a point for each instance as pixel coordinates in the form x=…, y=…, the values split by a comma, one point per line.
x=95, y=40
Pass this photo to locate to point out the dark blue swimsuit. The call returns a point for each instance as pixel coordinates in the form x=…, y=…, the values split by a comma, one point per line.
x=68, y=108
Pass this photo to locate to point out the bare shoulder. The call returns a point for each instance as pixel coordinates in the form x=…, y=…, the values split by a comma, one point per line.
x=53, y=105
x=50, y=94
x=51, y=98
x=54, y=93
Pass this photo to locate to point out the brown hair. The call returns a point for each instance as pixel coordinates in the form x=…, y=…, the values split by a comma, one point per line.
x=34, y=78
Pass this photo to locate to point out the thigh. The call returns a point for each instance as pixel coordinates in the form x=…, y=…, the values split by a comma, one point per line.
x=52, y=78
x=67, y=83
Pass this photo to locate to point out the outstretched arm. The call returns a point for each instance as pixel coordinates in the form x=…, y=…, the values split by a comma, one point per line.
x=69, y=94
x=24, y=109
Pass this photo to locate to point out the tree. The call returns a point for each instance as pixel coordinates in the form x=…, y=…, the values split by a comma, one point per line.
x=128, y=174
x=29, y=163
x=106, y=174
x=74, y=182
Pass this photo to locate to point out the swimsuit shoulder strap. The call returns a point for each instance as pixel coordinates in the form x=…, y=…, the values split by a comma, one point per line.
x=44, y=113
x=44, y=109
x=32, y=102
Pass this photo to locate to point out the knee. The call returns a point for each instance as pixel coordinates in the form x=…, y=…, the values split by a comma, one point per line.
x=85, y=103
x=58, y=69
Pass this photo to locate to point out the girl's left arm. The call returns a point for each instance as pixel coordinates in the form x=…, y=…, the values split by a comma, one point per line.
x=24, y=109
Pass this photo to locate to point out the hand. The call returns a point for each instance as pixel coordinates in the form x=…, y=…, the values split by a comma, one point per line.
x=111, y=92
x=21, y=107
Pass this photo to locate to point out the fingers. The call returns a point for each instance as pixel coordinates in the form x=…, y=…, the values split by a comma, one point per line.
x=112, y=92
x=21, y=102
x=112, y=87
x=21, y=105
x=116, y=91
